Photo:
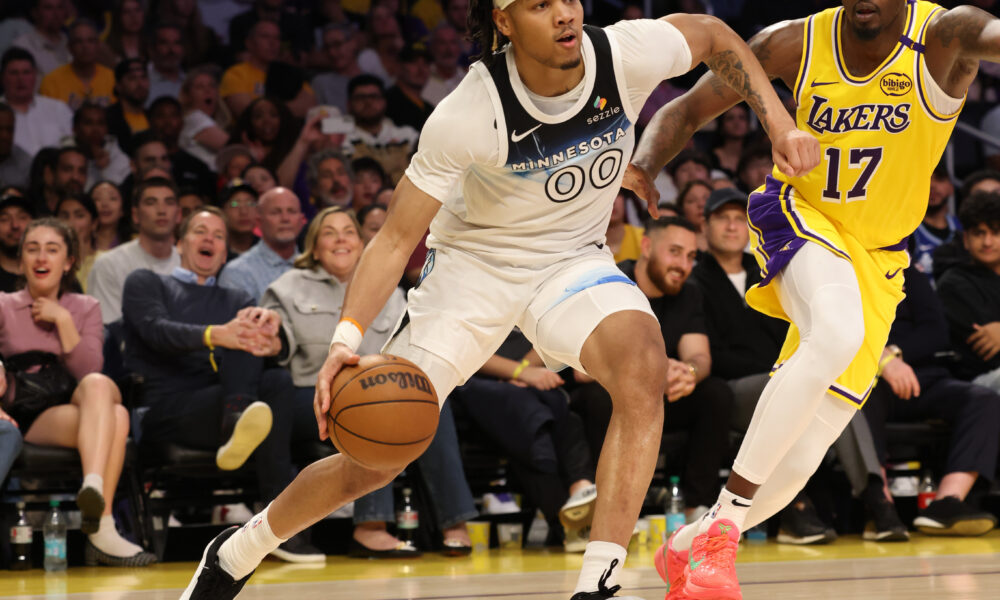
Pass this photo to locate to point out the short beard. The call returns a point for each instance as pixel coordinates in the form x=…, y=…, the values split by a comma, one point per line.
x=8, y=251
x=866, y=35
x=569, y=66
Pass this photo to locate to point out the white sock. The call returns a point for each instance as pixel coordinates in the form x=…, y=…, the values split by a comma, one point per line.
x=683, y=538
x=602, y=561
x=243, y=551
x=108, y=541
x=95, y=481
x=730, y=506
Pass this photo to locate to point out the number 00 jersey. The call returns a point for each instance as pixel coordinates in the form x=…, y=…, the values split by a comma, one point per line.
x=881, y=134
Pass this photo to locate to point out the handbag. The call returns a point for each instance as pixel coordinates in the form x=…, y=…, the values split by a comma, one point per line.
x=35, y=389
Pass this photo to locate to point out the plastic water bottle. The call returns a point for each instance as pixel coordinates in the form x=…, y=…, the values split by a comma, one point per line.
x=927, y=491
x=407, y=519
x=55, y=538
x=20, y=541
x=675, y=506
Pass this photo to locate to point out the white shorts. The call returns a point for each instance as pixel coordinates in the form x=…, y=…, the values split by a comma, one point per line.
x=464, y=307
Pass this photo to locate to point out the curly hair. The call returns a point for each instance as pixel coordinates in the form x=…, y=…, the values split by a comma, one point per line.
x=483, y=31
x=980, y=208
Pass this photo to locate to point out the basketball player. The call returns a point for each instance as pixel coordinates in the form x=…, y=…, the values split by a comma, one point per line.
x=516, y=174
x=880, y=84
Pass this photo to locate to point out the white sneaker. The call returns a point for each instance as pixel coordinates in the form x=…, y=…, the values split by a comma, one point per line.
x=500, y=504
x=579, y=509
x=231, y=514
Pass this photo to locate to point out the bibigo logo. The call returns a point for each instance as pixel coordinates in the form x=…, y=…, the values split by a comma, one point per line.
x=895, y=84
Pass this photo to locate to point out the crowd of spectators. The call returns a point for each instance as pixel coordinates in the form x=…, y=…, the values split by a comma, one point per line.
x=202, y=177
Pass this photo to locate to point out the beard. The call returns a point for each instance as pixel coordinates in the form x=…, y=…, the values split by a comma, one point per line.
x=866, y=33
x=657, y=274
x=570, y=65
x=8, y=251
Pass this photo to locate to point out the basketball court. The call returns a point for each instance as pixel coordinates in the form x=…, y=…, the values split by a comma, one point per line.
x=931, y=568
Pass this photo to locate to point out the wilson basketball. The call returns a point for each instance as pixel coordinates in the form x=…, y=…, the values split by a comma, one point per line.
x=383, y=411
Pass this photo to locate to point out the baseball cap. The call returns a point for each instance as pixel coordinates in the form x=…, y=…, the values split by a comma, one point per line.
x=413, y=51
x=233, y=187
x=21, y=201
x=719, y=198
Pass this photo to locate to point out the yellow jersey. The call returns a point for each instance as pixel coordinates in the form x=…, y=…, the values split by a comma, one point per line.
x=880, y=134
x=64, y=85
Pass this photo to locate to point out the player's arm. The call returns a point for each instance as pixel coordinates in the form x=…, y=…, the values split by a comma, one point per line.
x=956, y=42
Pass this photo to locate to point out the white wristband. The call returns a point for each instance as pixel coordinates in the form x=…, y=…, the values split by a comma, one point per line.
x=348, y=334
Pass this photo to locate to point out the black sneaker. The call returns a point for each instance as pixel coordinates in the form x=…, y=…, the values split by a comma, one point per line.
x=800, y=525
x=951, y=516
x=884, y=524
x=297, y=549
x=210, y=581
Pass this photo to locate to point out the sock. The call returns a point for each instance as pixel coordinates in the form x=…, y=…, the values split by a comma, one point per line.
x=730, y=506
x=95, y=481
x=243, y=551
x=602, y=561
x=108, y=541
x=684, y=537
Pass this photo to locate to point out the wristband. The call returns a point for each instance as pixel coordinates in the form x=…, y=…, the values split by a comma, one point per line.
x=348, y=333
x=207, y=338
x=520, y=369
x=894, y=353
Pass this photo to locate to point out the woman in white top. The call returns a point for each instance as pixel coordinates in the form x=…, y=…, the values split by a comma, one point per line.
x=205, y=118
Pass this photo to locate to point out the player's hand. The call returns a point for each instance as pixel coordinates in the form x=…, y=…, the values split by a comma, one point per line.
x=901, y=379
x=541, y=378
x=640, y=182
x=985, y=340
x=680, y=380
x=795, y=152
x=339, y=356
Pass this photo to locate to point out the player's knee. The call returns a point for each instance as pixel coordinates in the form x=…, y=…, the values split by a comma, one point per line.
x=838, y=334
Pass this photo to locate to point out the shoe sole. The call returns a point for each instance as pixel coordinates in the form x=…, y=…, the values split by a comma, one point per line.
x=297, y=558
x=819, y=538
x=94, y=556
x=696, y=592
x=885, y=536
x=251, y=429
x=91, y=505
x=964, y=528
x=578, y=516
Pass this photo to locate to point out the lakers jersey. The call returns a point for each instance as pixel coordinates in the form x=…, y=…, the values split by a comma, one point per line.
x=879, y=132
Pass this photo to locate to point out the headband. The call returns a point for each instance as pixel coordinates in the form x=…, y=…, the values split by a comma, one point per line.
x=503, y=4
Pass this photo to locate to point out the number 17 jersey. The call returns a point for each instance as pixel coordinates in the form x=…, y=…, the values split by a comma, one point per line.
x=881, y=134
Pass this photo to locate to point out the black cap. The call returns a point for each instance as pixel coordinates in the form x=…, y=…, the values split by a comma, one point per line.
x=126, y=65
x=727, y=195
x=412, y=52
x=234, y=186
x=15, y=200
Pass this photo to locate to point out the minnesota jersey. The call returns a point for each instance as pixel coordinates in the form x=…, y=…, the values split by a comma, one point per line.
x=881, y=133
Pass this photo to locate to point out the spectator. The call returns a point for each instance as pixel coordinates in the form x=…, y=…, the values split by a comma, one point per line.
x=239, y=203
x=374, y=134
x=125, y=36
x=268, y=129
x=456, y=13
x=225, y=400
x=78, y=211
x=624, y=240
x=369, y=179
x=371, y=218
x=260, y=178
x=295, y=171
x=939, y=226
x=971, y=293
x=341, y=43
x=113, y=226
x=755, y=165
x=189, y=200
x=83, y=78
x=149, y=156
x=46, y=41
x=920, y=388
x=231, y=161
x=293, y=31
x=165, y=122
x=404, y=101
x=384, y=196
x=105, y=159
x=985, y=180
x=694, y=397
x=385, y=40
x=127, y=117
x=155, y=214
x=445, y=74
x=166, y=54
x=954, y=252
x=203, y=134
x=730, y=137
x=244, y=82
x=332, y=250
x=691, y=202
x=991, y=126
x=686, y=166
x=39, y=121
x=69, y=177
x=81, y=408
x=15, y=163
x=16, y=212
x=42, y=178
x=280, y=218
x=331, y=182
x=200, y=42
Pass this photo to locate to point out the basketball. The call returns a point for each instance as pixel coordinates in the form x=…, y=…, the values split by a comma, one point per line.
x=383, y=411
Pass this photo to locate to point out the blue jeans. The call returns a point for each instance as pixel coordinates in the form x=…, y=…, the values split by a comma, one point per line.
x=10, y=447
x=440, y=467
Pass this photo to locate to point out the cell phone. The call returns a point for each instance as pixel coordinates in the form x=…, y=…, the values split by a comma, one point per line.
x=336, y=125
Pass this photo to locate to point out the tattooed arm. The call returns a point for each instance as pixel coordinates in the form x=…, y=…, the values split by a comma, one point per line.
x=738, y=72
x=956, y=42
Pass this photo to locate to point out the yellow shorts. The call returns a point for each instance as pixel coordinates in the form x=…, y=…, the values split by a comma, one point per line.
x=781, y=222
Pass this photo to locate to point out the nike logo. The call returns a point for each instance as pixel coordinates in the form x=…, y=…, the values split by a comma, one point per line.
x=821, y=83
x=517, y=137
x=894, y=273
x=695, y=563
x=740, y=504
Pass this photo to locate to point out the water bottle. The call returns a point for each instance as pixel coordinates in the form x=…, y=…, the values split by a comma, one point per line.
x=55, y=538
x=927, y=491
x=675, y=506
x=407, y=519
x=20, y=541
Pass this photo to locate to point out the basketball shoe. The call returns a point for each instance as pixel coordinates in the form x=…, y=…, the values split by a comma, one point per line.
x=210, y=580
x=671, y=564
x=711, y=572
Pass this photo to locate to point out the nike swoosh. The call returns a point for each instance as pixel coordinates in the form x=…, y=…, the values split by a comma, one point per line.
x=517, y=137
x=695, y=564
x=821, y=83
x=888, y=276
x=740, y=504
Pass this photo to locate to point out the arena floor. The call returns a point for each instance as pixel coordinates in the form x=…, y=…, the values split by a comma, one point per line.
x=938, y=568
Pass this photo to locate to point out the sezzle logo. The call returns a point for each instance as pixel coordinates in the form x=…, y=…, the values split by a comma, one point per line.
x=895, y=84
x=599, y=102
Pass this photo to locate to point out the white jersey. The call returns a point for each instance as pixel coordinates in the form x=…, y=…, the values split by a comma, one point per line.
x=526, y=180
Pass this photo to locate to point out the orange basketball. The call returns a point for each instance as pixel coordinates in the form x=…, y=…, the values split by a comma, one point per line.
x=383, y=411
